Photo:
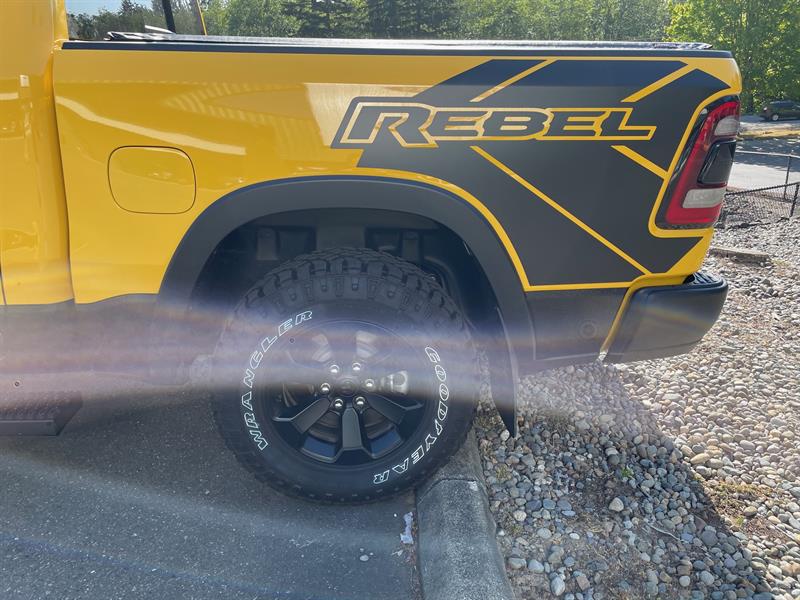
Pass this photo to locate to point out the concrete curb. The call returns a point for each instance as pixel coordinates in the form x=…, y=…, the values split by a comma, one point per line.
x=744, y=255
x=458, y=554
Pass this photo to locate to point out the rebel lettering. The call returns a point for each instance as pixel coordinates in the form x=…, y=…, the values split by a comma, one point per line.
x=416, y=125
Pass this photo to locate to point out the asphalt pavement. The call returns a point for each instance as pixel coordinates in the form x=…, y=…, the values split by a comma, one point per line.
x=139, y=498
x=756, y=171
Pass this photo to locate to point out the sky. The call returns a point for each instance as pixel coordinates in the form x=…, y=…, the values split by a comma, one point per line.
x=91, y=6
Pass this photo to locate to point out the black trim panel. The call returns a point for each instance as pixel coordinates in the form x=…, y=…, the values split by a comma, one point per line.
x=571, y=325
x=393, y=47
x=666, y=321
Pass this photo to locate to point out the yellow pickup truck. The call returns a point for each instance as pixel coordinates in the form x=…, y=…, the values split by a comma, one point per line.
x=322, y=234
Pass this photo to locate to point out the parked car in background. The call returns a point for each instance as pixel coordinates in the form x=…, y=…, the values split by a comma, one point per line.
x=781, y=109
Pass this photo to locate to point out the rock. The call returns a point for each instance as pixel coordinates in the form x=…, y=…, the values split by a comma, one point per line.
x=557, y=585
x=564, y=505
x=709, y=536
x=363, y=558
x=582, y=581
x=516, y=563
x=534, y=506
x=535, y=566
x=555, y=556
x=747, y=445
x=672, y=442
x=519, y=516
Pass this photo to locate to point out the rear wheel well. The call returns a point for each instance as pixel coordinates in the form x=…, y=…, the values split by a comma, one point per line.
x=251, y=250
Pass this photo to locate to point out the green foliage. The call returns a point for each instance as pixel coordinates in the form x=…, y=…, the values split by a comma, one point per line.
x=133, y=16
x=494, y=19
x=764, y=35
x=327, y=18
x=129, y=17
x=259, y=18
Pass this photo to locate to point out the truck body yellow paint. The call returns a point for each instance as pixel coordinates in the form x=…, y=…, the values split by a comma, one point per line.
x=170, y=202
x=34, y=259
x=240, y=118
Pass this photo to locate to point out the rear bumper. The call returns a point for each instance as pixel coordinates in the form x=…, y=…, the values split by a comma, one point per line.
x=670, y=320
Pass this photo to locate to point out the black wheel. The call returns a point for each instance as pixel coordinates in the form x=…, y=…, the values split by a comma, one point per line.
x=775, y=117
x=345, y=375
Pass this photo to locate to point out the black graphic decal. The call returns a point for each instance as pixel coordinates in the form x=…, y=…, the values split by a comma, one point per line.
x=545, y=145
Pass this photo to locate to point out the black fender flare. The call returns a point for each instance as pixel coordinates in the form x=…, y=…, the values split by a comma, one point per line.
x=317, y=192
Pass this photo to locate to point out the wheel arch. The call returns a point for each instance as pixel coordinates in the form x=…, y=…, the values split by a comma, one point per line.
x=260, y=200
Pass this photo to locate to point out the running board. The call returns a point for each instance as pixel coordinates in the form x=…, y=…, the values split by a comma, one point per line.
x=46, y=414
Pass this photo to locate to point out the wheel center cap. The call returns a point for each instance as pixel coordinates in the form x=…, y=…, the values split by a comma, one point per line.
x=347, y=387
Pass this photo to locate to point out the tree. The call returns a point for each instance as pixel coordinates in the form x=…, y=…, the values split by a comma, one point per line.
x=643, y=20
x=215, y=15
x=328, y=18
x=266, y=18
x=763, y=35
x=494, y=19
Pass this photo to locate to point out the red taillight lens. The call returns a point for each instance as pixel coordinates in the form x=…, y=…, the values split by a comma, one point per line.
x=696, y=199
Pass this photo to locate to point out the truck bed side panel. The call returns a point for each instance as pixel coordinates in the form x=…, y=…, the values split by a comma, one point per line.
x=566, y=156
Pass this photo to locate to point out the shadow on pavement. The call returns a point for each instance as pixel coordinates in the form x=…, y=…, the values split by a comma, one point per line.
x=138, y=497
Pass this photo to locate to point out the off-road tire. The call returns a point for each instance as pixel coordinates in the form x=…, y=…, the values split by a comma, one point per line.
x=371, y=286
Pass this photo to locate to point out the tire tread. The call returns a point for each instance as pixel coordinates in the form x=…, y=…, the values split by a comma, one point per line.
x=420, y=292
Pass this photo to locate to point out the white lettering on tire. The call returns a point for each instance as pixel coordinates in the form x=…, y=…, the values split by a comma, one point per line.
x=253, y=364
x=438, y=422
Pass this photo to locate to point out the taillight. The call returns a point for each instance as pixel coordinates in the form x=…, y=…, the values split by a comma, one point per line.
x=697, y=192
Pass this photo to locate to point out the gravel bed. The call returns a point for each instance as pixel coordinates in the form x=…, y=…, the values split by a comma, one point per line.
x=675, y=478
x=781, y=240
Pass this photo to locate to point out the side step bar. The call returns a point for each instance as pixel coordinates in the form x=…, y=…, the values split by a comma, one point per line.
x=45, y=414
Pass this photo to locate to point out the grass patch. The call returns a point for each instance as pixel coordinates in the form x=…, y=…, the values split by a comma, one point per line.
x=485, y=421
x=730, y=500
x=769, y=132
x=503, y=473
x=513, y=529
x=783, y=268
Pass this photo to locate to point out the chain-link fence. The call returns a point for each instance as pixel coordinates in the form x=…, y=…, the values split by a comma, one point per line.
x=763, y=205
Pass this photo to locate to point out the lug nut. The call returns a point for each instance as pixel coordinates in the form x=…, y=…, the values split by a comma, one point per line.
x=369, y=385
x=325, y=388
x=360, y=402
x=356, y=367
x=334, y=369
x=338, y=404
